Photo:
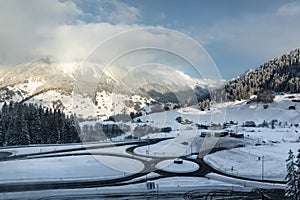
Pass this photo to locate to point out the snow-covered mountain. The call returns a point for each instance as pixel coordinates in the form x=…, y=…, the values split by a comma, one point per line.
x=92, y=93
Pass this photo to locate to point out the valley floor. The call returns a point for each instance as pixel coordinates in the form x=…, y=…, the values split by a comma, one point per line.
x=182, y=163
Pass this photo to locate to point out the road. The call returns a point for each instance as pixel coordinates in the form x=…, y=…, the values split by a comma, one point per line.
x=149, y=166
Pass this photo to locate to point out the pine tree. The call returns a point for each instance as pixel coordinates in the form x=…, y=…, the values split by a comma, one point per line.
x=298, y=175
x=290, y=190
x=45, y=125
x=2, y=133
x=12, y=136
x=24, y=138
x=67, y=132
x=75, y=128
x=11, y=106
x=24, y=124
x=35, y=130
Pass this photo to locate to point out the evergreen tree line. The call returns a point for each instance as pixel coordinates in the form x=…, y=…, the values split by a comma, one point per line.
x=25, y=124
x=279, y=75
x=282, y=74
x=292, y=189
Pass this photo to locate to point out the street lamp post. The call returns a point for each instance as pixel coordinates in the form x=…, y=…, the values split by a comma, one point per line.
x=193, y=141
x=191, y=148
x=262, y=167
x=157, y=191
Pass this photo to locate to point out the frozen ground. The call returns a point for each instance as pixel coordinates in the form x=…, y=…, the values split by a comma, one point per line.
x=68, y=168
x=248, y=161
x=176, y=147
x=170, y=166
x=238, y=111
x=241, y=161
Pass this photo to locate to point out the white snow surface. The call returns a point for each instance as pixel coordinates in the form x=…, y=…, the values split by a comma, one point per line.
x=170, y=166
x=244, y=161
x=247, y=161
x=67, y=168
x=176, y=147
x=238, y=111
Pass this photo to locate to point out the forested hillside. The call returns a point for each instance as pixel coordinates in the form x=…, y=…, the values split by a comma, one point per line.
x=24, y=124
x=279, y=75
x=282, y=74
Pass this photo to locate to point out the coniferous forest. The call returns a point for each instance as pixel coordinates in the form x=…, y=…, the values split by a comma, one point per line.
x=279, y=75
x=25, y=124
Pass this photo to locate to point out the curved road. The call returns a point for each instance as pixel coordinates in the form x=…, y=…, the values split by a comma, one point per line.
x=149, y=166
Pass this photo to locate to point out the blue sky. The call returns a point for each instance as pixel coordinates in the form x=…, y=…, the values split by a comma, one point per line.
x=237, y=34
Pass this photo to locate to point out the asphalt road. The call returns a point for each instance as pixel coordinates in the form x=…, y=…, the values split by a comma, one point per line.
x=149, y=166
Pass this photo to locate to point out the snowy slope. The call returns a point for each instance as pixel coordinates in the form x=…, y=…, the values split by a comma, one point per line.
x=107, y=104
x=238, y=111
x=91, y=93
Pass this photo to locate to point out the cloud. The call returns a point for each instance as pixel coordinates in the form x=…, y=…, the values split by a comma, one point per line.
x=251, y=39
x=111, y=11
x=122, y=13
x=23, y=22
x=69, y=30
x=68, y=43
x=34, y=28
x=57, y=29
x=289, y=9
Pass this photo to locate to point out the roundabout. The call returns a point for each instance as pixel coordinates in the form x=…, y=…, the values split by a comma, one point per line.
x=185, y=166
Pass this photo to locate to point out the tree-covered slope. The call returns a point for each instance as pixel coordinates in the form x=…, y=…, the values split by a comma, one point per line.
x=279, y=75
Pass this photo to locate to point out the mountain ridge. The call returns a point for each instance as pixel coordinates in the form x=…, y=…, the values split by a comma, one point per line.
x=36, y=81
x=45, y=82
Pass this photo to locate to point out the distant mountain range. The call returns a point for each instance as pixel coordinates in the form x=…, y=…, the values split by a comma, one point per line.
x=71, y=88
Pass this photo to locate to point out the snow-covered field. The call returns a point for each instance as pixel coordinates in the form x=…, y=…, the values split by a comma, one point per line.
x=244, y=161
x=68, y=168
x=176, y=147
x=170, y=166
x=253, y=161
x=238, y=111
